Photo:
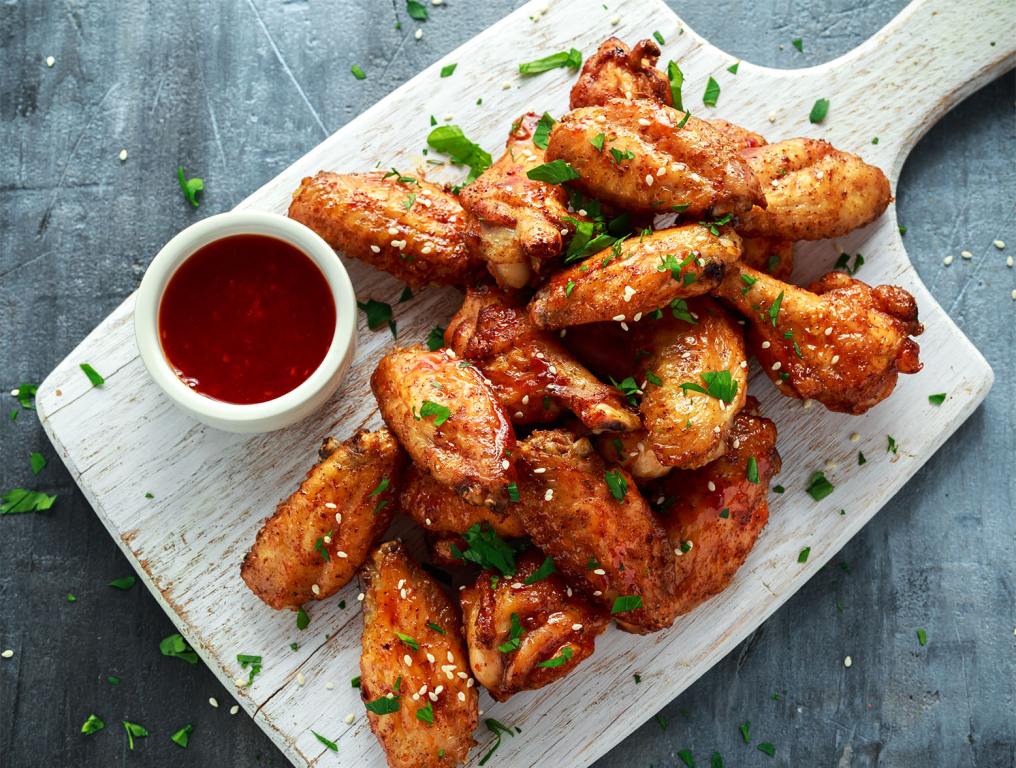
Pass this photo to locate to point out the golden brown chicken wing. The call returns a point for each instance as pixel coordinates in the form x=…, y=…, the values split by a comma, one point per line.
x=766, y=254
x=414, y=670
x=840, y=342
x=524, y=223
x=617, y=71
x=713, y=515
x=597, y=527
x=740, y=137
x=696, y=380
x=448, y=419
x=526, y=365
x=813, y=191
x=635, y=155
x=525, y=632
x=313, y=544
x=625, y=282
x=400, y=224
x=438, y=509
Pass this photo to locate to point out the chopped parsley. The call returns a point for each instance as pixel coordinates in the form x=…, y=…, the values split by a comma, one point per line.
x=512, y=489
x=381, y=488
x=378, y=314
x=745, y=729
x=861, y=461
x=450, y=140
x=514, y=641
x=38, y=461
x=254, y=662
x=713, y=226
x=638, y=678
x=659, y=38
x=653, y=379
x=425, y=714
x=617, y=484
x=676, y=78
x=93, y=376
x=498, y=729
x=937, y=399
x=322, y=549
x=406, y=295
x=182, y=737
x=774, y=309
x=190, y=187
x=819, y=110
x=767, y=748
x=922, y=637
x=554, y=172
x=819, y=486
x=687, y=757
x=487, y=550
x=355, y=682
x=843, y=263
x=716, y=760
x=719, y=384
x=546, y=568
x=18, y=500
x=358, y=72
x=92, y=725
x=569, y=288
x=891, y=446
x=571, y=58
x=441, y=413
x=597, y=141
x=798, y=43
x=625, y=603
x=752, y=471
x=778, y=489
x=712, y=93
x=541, y=135
x=679, y=309
x=435, y=339
x=416, y=10
x=436, y=628
x=407, y=640
x=383, y=705
x=684, y=120
x=561, y=659
x=302, y=619
x=448, y=70
x=327, y=742
x=619, y=156
x=125, y=583
x=732, y=69
x=134, y=730
x=629, y=388
x=177, y=647
x=803, y=556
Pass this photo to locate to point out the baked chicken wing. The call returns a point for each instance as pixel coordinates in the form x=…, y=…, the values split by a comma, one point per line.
x=439, y=510
x=317, y=539
x=405, y=226
x=634, y=155
x=414, y=668
x=526, y=365
x=523, y=223
x=695, y=382
x=713, y=515
x=813, y=191
x=616, y=71
x=740, y=137
x=840, y=342
x=523, y=636
x=597, y=527
x=640, y=275
x=448, y=419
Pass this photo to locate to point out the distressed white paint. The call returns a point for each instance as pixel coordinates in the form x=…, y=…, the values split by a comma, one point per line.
x=212, y=489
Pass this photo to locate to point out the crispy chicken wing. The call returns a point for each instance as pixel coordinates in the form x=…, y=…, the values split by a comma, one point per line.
x=522, y=221
x=313, y=544
x=419, y=707
x=523, y=636
x=695, y=383
x=840, y=342
x=448, y=419
x=713, y=515
x=646, y=163
x=526, y=365
x=742, y=138
x=643, y=274
x=438, y=509
x=767, y=254
x=616, y=71
x=412, y=229
x=613, y=547
x=813, y=191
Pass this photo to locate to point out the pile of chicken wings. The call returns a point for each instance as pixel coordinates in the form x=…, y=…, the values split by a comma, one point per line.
x=584, y=441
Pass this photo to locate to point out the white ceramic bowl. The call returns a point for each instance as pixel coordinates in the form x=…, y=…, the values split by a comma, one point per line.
x=295, y=404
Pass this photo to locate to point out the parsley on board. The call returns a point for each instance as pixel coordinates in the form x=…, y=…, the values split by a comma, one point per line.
x=745, y=729
x=450, y=140
x=182, y=737
x=177, y=647
x=861, y=461
x=383, y=705
x=378, y=314
x=302, y=619
x=18, y=500
x=686, y=757
x=625, y=603
x=93, y=375
x=254, y=662
x=819, y=486
x=716, y=760
x=498, y=729
x=435, y=339
x=676, y=78
x=616, y=484
x=514, y=641
x=554, y=172
x=416, y=10
x=487, y=550
x=134, y=731
x=406, y=295
x=732, y=69
x=571, y=59
x=843, y=263
x=937, y=399
x=891, y=446
x=124, y=584
x=767, y=748
x=355, y=682
x=541, y=135
x=803, y=556
x=441, y=413
x=712, y=93
x=448, y=70
x=190, y=187
x=71, y=598
x=358, y=72
x=659, y=38
x=561, y=659
x=819, y=110
x=92, y=725
x=546, y=568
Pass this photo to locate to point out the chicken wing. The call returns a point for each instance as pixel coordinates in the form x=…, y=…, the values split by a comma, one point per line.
x=523, y=636
x=400, y=224
x=523, y=222
x=422, y=710
x=526, y=365
x=742, y=138
x=313, y=544
x=695, y=383
x=840, y=342
x=438, y=509
x=606, y=349
x=597, y=527
x=713, y=515
x=766, y=254
x=813, y=191
x=642, y=274
x=448, y=419
x=635, y=155
x=616, y=71
x=632, y=451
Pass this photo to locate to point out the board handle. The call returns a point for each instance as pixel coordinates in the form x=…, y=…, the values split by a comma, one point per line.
x=930, y=57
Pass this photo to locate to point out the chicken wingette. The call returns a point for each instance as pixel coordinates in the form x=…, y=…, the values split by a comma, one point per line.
x=616, y=71
x=438, y=509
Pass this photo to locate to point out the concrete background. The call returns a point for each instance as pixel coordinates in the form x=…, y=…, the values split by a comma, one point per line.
x=235, y=91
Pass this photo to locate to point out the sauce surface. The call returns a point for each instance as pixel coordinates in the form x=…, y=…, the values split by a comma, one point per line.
x=246, y=319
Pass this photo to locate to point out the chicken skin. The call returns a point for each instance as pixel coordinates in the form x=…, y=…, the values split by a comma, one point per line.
x=523, y=636
x=634, y=155
x=742, y=138
x=714, y=515
x=642, y=274
x=632, y=451
x=317, y=539
x=840, y=342
x=420, y=708
x=616, y=71
x=438, y=509
x=405, y=226
x=448, y=419
x=813, y=190
x=597, y=527
x=695, y=383
x=522, y=221
x=526, y=365
x=775, y=257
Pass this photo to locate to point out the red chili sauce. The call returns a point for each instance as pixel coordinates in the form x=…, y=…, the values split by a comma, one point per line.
x=246, y=319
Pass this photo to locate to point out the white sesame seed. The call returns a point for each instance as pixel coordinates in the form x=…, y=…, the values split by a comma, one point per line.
x=615, y=20
x=828, y=331
x=1000, y=244
x=403, y=593
x=661, y=171
x=239, y=682
x=432, y=696
x=777, y=365
x=552, y=370
x=525, y=399
x=341, y=554
x=462, y=696
x=716, y=429
x=462, y=675
x=618, y=318
x=737, y=443
x=326, y=539
x=643, y=121
x=348, y=719
x=549, y=494
x=678, y=552
x=711, y=486
x=597, y=593
x=427, y=520
x=649, y=179
x=854, y=437
x=451, y=656
x=330, y=505
x=1008, y=261
x=628, y=293
x=123, y=155
x=966, y=254
x=436, y=2
x=470, y=683
x=576, y=627
x=505, y=464
x=766, y=345
x=743, y=363
x=408, y=660
x=7, y=654
x=360, y=597
x=506, y=85
x=948, y=260
x=772, y=117
x=848, y=661
x=401, y=584
x=426, y=249
x=431, y=659
x=636, y=317
x=539, y=470
x=14, y=392
x=835, y=359
x=315, y=589
x=624, y=326
x=449, y=117
x=806, y=403
x=213, y=702
x=389, y=695
x=329, y=686
x=393, y=230
x=564, y=231
x=300, y=679
x=50, y=61
x=600, y=572
x=1013, y=294
x=234, y=709
x=418, y=34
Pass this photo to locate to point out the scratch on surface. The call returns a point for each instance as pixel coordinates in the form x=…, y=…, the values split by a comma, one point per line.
x=398, y=50
x=215, y=131
x=963, y=290
x=285, y=67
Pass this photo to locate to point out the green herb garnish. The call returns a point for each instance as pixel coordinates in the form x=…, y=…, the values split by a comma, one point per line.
x=571, y=59
x=125, y=583
x=182, y=737
x=190, y=187
x=625, y=603
x=712, y=93
x=819, y=111
x=441, y=413
x=177, y=647
x=546, y=568
x=561, y=659
x=541, y=135
x=616, y=483
x=514, y=641
x=93, y=375
x=92, y=725
x=358, y=72
x=554, y=172
x=819, y=486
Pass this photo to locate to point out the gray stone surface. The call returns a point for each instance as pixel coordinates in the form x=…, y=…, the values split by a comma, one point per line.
x=235, y=91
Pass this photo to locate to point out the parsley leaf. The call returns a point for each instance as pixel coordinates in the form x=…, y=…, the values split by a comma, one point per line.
x=744, y=728
x=625, y=603
x=562, y=658
x=798, y=43
x=487, y=550
x=571, y=59
x=767, y=748
x=134, y=730
x=679, y=309
x=450, y=140
x=922, y=637
x=554, y=172
x=435, y=339
x=416, y=10
x=448, y=70
x=123, y=584
x=182, y=737
x=597, y=141
x=441, y=413
x=190, y=187
x=891, y=446
x=719, y=384
x=26, y=396
x=93, y=375
x=378, y=314
x=774, y=310
x=358, y=72
x=407, y=640
x=542, y=133
x=937, y=399
x=383, y=705
x=659, y=38
x=676, y=78
x=436, y=628
x=546, y=569
x=752, y=470
x=732, y=69
x=176, y=646
x=802, y=557
x=425, y=714
x=819, y=486
x=92, y=725
x=514, y=641
x=38, y=462
x=819, y=110
x=616, y=483
x=619, y=156
x=302, y=619
x=322, y=548
x=18, y=500
x=712, y=93
x=327, y=742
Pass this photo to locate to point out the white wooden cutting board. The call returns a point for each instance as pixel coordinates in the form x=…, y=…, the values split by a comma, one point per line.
x=212, y=490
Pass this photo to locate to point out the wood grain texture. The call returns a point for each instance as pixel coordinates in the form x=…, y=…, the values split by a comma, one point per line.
x=174, y=556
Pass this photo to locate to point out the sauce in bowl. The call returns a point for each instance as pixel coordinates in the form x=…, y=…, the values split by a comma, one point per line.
x=246, y=319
